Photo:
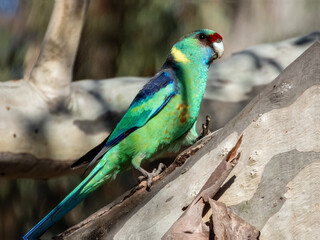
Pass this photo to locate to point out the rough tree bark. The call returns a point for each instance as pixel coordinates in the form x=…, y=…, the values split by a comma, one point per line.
x=275, y=185
x=47, y=122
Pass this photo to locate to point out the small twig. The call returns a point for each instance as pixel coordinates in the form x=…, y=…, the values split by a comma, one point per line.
x=205, y=128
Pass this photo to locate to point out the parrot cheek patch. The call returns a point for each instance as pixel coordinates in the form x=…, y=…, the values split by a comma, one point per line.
x=211, y=56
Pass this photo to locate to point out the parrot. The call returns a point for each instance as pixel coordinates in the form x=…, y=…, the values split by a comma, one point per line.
x=161, y=116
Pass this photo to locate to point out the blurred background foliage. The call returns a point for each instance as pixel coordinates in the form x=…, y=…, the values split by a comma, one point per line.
x=122, y=38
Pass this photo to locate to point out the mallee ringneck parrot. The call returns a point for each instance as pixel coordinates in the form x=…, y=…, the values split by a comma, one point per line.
x=162, y=115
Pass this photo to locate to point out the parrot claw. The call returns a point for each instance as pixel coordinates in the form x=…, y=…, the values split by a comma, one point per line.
x=149, y=176
x=159, y=170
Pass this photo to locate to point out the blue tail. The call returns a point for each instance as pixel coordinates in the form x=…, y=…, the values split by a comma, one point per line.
x=73, y=199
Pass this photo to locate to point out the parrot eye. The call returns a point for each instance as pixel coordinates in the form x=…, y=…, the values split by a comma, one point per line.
x=202, y=36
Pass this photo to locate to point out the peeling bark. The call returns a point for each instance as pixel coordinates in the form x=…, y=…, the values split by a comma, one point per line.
x=228, y=226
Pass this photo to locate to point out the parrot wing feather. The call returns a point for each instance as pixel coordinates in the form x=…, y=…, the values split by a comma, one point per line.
x=149, y=101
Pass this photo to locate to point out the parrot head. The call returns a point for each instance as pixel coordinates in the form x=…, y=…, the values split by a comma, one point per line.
x=199, y=47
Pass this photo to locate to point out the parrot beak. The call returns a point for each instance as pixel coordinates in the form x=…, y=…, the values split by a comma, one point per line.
x=218, y=49
x=217, y=46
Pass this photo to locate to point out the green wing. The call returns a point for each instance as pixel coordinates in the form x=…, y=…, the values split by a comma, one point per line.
x=149, y=101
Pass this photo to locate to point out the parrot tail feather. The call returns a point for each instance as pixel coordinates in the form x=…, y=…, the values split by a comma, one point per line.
x=74, y=198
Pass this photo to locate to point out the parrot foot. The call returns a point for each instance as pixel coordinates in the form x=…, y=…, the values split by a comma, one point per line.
x=149, y=176
x=205, y=128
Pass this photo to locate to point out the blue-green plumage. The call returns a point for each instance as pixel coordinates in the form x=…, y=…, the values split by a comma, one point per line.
x=162, y=115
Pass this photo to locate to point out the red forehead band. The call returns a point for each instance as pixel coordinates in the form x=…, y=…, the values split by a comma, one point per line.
x=214, y=37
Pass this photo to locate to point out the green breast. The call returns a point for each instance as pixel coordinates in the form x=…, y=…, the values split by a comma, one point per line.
x=169, y=124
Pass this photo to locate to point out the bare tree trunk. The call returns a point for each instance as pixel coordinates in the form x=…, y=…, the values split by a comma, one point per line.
x=275, y=185
x=52, y=74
